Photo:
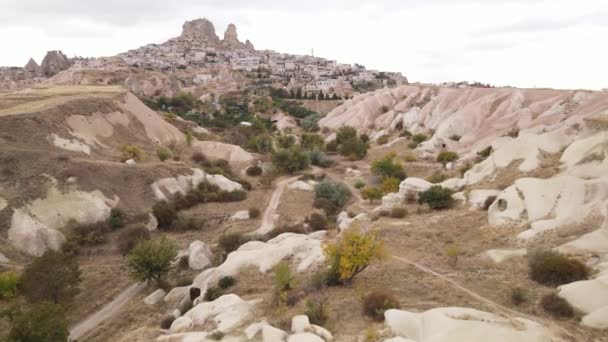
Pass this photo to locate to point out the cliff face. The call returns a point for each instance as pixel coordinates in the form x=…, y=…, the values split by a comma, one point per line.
x=201, y=29
x=53, y=63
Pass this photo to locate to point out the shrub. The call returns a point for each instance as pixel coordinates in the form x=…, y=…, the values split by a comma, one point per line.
x=200, y=158
x=226, y=282
x=290, y=160
x=376, y=303
x=383, y=140
x=116, y=219
x=166, y=322
x=387, y=167
x=9, y=281
x=345, y=133
x=189, y=138
x=311, y=123
x=553, y=269
x=437, y=177
x=390, y=184
x=165, y=213
x=399, y=212
x=354, y=149
x=337, y=194
x=405, y=134
x=86, y=234
x=445, y=157
x=518, y=295
x=359, y=184
x=53, y=276
x=151, y=259
x=130, y=237
x=317, y=310
x=262, y=143
x=283, y=277
x=352, y=253
x=312, y=141
x=371, y=194
x=286, y=141
x=254, y=213
x=131, y=152
x=483, y=154
x=466, y=167
x=557, y=306
x=326, y=205
x=318, y=158
x=332, y=146
x=43, y=322
x=231, y=242
x=216, y=335
x=254, y=170
x=163, y=154
x=436, y=197
x=183, y=224
x=213, y=293
x=364, y=138
x=317, y=221
x=419, y=138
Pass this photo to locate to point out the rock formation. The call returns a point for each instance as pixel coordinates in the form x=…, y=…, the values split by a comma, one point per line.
x=200, y=29
x=53, y=63
x=249, y=45
x=32, y=69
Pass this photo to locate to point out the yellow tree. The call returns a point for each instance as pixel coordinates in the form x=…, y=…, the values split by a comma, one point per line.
x=352, y=253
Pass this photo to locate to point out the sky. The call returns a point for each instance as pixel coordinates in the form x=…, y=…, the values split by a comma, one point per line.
x=523, y=43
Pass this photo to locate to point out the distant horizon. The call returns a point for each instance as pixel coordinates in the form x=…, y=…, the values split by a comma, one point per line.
x=553, y=44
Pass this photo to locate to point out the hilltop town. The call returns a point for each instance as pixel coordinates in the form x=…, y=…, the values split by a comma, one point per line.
x=198, y=57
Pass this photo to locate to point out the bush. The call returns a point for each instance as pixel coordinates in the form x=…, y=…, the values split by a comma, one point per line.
x=254, y=213
x=337, y=194
x=344, y=134
x=116, y=219
x=351, y=254
x=317, y=310
x=262, y=144
x=453, y=252
x=405, y=134
x=557, y=306
x=326, y=205
x=213, y=293
x=436, y=197
x=437, y=177
x=519, y=296
x=286, y=141
x=554, y=269
x=445, y=157
x=312, y=141
x=483, y=154
x=151, y=259
x=163, y=154
x=398, y=212
x=226, y=282
x=318, y=158
x=165, y=214
x=200, y=158
x=359, y=184
x=183, y=224
x=9, y=281
x=390, y=184
x=131, y=152
x=376, y=303
x=53, y=276
x=364, y=138
x=130, y=237
x=290, y=160
x=317, y=221
x=166, y=322
x=371, y=194
x=387, y=167
x=231, y=242
x=254, y=171
x=354, y=149
x=283, y=278
x=85, y=235
x=311, y=123
x=466, y=167
x=332, y=146
x=417, y=139
x=43, y=322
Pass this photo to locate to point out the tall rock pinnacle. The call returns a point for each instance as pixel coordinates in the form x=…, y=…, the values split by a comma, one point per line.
x=231, y=38
x=200, y=29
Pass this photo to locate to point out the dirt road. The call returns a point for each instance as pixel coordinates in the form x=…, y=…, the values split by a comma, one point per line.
x=268, y=218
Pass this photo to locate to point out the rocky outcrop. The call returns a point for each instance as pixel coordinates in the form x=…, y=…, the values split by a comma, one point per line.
x=215, y=150
x=53, y=63
x=231, y=38
x=167, y=187
x=464, y=324
x=249, y=45
x=32, y=69
x=200, y=29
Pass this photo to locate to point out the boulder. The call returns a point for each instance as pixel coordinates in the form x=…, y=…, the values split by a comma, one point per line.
x=240, y=215
x=500, y=255
x=304, y=337
x=272, y=334
x=225, y=313
x=322, y=332
x=152, y=224
x=300, y=324
x=130, y=162
x=167, y=187
x=215, y=150
x=155, y=297
x=199, y=255
x=478, y=198
x=344, y=221
x=177, y=294
x=392, y=200
x=463, y=324
x=414, y=186
x=302, y=186
x=254, y=329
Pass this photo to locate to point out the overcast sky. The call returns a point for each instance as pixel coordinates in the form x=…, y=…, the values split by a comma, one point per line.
x=525, y=43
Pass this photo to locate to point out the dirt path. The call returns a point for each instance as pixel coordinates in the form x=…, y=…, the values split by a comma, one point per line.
x=268, y=218
x=105, y=312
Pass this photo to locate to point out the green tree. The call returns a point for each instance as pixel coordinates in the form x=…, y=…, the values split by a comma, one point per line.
x=312, y=141
x=371, y=194
x=9, y=281
x=43, y=322
x=437, y=197
x=336, y=193
x=53, y=276
x=345, y=133
x=445, y=157
x=286, y=141
x=290, y=160
x=354, y=148
x=387, y=167
x=151, y=260
x=262, y=143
